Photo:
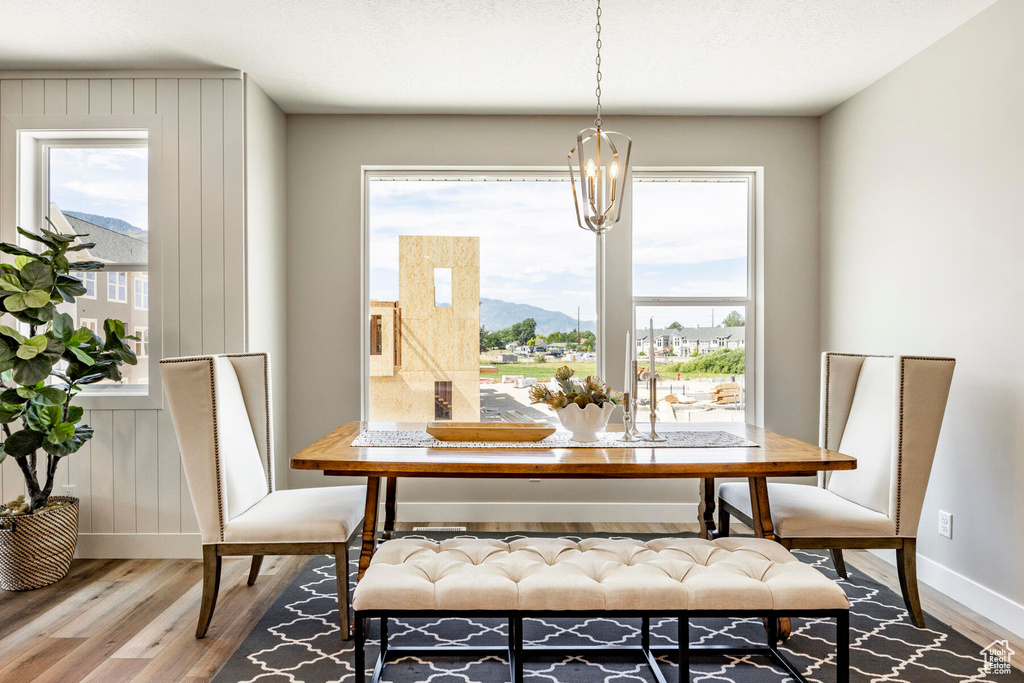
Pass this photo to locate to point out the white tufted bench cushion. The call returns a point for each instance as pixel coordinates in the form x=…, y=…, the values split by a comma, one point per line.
x=593, y=574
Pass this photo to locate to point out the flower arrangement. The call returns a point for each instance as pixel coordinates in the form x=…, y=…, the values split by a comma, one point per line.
x=590, y=391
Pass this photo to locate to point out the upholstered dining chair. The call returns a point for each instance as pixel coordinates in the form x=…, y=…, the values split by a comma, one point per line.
x=885, y=411
x=221, y=410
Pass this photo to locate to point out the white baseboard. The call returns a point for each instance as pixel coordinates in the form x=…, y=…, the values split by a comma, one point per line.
x=968, y=592
x=547, y=512
x=139, y=546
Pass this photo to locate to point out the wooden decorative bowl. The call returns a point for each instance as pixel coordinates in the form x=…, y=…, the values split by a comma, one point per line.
x=489, y=431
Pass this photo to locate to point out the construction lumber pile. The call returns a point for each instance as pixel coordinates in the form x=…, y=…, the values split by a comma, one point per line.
x=725, y=393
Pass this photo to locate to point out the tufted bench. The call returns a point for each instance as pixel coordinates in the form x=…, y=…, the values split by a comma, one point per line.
x=545, y=577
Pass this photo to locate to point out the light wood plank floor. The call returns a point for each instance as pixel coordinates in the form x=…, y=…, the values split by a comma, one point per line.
x=134, y=620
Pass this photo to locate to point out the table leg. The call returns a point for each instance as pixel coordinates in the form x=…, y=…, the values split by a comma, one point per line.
x=706, y=510
x=369, y=523
x=761, y=514
x=390, y=496
x=760, y=510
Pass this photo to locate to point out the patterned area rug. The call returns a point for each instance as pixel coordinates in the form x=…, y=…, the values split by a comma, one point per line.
x=297, y=640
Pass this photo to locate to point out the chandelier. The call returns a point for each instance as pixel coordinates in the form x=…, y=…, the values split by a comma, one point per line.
x=598, y=165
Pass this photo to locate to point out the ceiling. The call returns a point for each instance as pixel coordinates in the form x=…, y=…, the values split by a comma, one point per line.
x=498, y=56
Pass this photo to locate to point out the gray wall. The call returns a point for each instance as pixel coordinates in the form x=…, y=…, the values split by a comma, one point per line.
x=324, y=239
x=921, y=248
x=266, y=277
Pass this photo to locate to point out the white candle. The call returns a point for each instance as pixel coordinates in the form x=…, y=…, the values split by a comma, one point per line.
x=627, y=382
x=652, y=349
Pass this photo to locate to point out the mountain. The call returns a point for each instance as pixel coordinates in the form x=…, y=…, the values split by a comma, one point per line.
x=115, y=224
x=497, y=315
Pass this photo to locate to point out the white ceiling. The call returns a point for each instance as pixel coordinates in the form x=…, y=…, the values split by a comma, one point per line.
x=498, y=56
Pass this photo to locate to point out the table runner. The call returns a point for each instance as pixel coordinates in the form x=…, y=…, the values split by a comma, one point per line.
x=560, y=439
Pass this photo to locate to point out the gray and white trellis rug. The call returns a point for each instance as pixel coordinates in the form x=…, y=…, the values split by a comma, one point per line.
x=297, y=640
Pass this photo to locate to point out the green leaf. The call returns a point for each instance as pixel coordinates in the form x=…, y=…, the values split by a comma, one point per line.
x=80, y=355
x=83, y=246
x=83, y=335
x=63, y=327
x=8, y=348
x=37, y=298
x=15, y=250
x=25, y=392
x=43, y=418
x=12, y=333
x=75, y=413
x=51, y=396
x=10, y=413
x=3, y=453
x=74, y=443
x=87, y=265
x=15, y=303
x=20, y=261
x=69, y=287
x=29, y=372
x=36, y=237
x=61, y=433
x=32, y=347
x=11, y=283
x=22, y=443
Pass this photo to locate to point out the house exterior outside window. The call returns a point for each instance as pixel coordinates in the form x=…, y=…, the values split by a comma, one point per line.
x=141, y=292
x=117, y=287
x=89, y=281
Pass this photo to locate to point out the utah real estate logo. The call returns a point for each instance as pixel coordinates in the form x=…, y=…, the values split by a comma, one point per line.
x=996, y=657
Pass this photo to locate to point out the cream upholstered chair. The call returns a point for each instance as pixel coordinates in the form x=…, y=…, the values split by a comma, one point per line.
x=886, y=412
x=222, y=414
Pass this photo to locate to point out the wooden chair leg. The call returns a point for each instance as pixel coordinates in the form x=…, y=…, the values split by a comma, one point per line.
x=211, y=584
x=723, y=521
x=341, y=570
x=906, y=567
x=254, y=570
x=837, y=562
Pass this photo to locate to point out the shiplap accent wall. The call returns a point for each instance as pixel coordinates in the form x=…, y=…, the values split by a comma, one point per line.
x=129, y=476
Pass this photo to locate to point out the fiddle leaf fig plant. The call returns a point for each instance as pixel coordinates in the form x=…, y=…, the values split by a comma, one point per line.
x=45, y=363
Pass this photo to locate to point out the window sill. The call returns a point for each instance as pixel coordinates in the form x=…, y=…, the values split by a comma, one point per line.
x=118, y=399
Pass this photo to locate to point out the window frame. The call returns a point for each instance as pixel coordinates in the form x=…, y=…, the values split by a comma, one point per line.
x=136, y=294
x=753, y=407
x=116, y=286
x=143, y=339
x=23, y=144
x=86, y=276
x=616, y=306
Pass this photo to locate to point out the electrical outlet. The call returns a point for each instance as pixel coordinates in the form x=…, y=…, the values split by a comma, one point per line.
x=535, y=481
x=946, y=524
x=69, y=490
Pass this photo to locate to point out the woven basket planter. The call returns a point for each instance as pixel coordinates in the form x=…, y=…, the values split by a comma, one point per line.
x=36, y=550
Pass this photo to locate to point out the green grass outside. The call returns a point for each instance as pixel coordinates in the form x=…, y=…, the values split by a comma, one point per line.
x=545, y=371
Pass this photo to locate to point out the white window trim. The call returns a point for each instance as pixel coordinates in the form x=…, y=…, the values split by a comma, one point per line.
x=95, y=286
x=136, y=294
x=116, y=287
x=82, y=322
x=616, y=308
x=143, y=341
x=19, y=141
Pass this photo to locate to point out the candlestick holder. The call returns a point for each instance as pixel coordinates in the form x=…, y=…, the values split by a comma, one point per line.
x=653, y=398
x=634, y=390
x=628, y=426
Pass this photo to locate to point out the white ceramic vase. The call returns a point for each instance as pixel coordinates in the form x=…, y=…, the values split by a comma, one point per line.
x=585, y=423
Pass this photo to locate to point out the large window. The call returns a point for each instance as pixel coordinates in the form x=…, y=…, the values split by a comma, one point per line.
x=692, y=278
x=478, y=286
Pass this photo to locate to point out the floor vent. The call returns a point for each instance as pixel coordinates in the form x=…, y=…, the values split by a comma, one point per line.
x=439, y=528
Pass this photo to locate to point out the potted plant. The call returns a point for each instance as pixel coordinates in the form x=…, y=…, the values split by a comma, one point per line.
x=582, y=407
x=42, y=368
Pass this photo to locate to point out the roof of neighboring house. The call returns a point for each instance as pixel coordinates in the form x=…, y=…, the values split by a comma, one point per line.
x=698, y=334
x=111, y=246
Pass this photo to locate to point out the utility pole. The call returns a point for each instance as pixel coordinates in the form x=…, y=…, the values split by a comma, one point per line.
x=579, y=338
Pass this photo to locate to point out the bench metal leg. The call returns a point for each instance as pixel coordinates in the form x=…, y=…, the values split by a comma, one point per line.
x=360, y=650
x=843, y=648
x=517, y=652
x=684, y=649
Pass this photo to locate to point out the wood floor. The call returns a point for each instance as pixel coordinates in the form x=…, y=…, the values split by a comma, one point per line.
x=134, y=620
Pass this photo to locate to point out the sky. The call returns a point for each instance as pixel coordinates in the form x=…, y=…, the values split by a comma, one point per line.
x=531, y=250
x=109, y=182
x=690, y=239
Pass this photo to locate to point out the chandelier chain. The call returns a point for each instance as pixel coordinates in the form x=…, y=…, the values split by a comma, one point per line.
x=597, y=91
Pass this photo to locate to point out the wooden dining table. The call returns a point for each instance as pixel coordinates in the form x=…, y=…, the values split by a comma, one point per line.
x=774, y=455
